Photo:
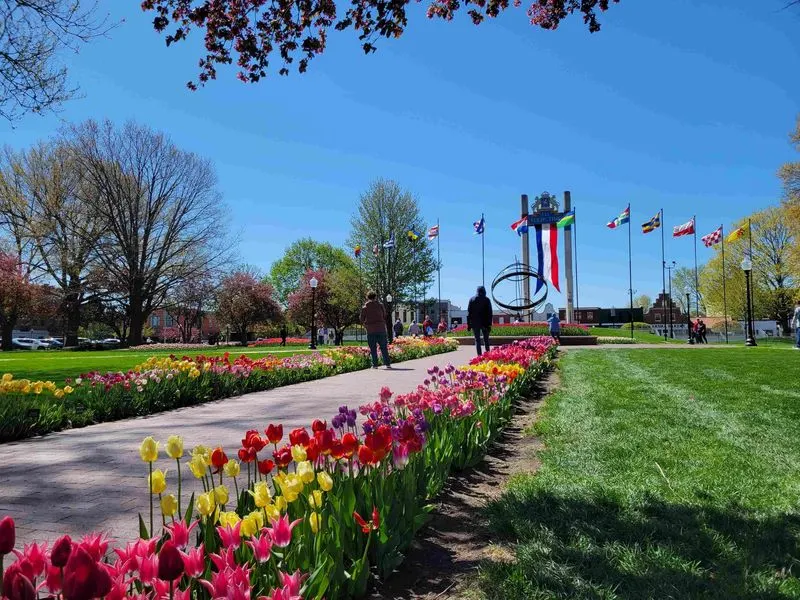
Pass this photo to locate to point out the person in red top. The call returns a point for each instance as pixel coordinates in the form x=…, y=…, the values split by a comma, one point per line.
x=373, y=318
x=442, y=328
x=427, y=326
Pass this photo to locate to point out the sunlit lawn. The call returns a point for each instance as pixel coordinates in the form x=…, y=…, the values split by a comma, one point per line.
x=667, y=474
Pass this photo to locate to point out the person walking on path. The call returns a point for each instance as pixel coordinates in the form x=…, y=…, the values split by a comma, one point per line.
x=284, y=334
x=701, y=331
x=373, y=318
x=555, y=327
x=413, y=329
x=796, y=325
x=479, y=318
x=398, y=328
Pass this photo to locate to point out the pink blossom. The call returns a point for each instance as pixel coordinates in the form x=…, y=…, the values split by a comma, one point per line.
x=281, y=531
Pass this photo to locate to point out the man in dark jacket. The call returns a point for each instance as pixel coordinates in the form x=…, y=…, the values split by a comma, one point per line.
x=479, y=318
x=373, y=318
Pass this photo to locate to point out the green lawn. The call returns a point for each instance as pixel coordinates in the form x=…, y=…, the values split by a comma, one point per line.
x=57, y=365
x=667, y=474
x=641, y=337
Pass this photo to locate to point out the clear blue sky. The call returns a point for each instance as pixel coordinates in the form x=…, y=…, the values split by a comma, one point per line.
x=681, y=104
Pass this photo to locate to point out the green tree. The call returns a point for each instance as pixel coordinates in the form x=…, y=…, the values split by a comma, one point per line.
x=684, y=282
x=790, y=177
x=300, y=257
x=387, y=212
x=643, y=301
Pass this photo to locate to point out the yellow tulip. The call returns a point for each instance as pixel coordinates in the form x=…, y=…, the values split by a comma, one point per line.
x=305, y=472
x=221, y=494
x=261, y=494
x=258, y=517
x=299, y=454
x=292, y=485
x=58, y=394
x=174, y=446
x=273, y=512
x=325, y=481
x=314, y=520
x=315, y=499
x=7, y=377
x=149, y=449
x=169, y=505
x=206, y=504
x=232, y=468
x=158, y=481
x=249, y=526
x=203, y=452
x=26, y=389
x=228, y=519
x=280, y=504
x=37, y=387
x=197, y=466
x=68, y=389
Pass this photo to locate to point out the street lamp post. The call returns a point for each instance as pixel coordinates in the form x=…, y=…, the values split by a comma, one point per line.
x=747, y=267
x=313, y=282
x=671, y=327
x=689, y=319
x=390, y=331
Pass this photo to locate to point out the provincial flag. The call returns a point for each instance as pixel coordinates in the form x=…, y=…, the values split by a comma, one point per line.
x=433, y=232
x=715, y=237
x=520, y=226
x=567, y=220
x=547, y=251
x=479, y=226
x=389, y=243
x=624, y=217
x=652, y=224
x=412, y=235
x=357, y=250
x=735, y=235
x=685, y=229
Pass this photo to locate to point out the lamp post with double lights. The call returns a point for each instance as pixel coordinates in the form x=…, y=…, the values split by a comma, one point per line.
x=747, y=267
x=390, y=329
x=313, y=282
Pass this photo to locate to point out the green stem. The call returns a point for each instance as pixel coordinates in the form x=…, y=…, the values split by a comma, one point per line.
x=150, y=487
x=178, y=460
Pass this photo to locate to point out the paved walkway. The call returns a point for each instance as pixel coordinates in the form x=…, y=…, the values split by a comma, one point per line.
x=92, y=479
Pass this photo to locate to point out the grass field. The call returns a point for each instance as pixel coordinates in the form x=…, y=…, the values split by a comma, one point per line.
x=667, y=474
x=641, y=337
x=58, y=365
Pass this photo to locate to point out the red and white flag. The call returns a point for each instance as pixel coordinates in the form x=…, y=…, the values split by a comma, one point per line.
x=715, y=237
x=685, y=229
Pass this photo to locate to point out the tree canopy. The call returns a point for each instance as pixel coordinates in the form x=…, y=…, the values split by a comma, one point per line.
x=300, y=257
x=253, y=32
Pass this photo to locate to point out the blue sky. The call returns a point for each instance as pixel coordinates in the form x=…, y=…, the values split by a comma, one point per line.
x=686, y=108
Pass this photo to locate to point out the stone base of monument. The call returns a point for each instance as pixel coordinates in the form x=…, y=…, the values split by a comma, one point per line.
x=499, y=340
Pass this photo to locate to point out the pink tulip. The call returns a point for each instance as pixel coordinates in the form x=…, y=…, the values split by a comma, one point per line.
x=34, y=558
x=293, y=582
x=95, y=544
x=281, y=531
x=230, y=536
x=179, y=532
x=262, y=547
x=148, y=568
x=195, y=561
x=224, y=560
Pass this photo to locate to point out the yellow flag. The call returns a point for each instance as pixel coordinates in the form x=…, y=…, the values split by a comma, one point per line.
x=735, y=235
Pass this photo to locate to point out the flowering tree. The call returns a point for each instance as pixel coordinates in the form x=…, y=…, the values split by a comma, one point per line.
x=16, y=296
x=251, y=31
x=244, y=300
x=336, y=302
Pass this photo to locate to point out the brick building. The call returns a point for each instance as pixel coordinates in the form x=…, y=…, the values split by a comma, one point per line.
x=658, y=315
x=160, y=319
x=603, y=317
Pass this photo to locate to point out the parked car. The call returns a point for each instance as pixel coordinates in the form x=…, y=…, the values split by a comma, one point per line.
x=53, y=343
x=28, y=344
x=110, y=343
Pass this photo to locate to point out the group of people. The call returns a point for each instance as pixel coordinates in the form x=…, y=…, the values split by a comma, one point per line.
x=415, y=329
x=698, y=331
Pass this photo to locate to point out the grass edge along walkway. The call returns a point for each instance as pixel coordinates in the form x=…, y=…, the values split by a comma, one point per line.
x=660, y=478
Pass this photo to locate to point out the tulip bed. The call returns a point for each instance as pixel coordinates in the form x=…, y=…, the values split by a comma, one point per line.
x=270, y=342
x=526, y=329
x=29, y=408
x=313, y=514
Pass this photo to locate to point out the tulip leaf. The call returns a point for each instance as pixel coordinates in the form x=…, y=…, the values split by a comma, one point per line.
x=143, y=529
x=189, y=510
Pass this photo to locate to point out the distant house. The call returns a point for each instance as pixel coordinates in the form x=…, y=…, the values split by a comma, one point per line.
x=603, y=317
x=658, y=315
x=160, y=320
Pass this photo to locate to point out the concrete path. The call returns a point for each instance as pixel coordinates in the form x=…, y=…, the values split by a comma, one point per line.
x=92, y=479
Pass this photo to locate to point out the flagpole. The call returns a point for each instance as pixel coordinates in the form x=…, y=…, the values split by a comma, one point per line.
x=439, y=269
x=483, y=250
x=663, y=278
x=696, y=280
x=575, y=243
x=630, y=270
x=724, y=291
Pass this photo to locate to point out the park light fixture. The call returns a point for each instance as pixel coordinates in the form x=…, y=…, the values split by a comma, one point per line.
x=750, y=338
x=313, y=282
x=388, y=297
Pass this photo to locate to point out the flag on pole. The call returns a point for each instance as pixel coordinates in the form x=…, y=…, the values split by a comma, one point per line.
x=413, y=236
x=376, y=250
x=652, y=224
x=389, y=243
x=547, y=249
x=433, y=232
x=357, y=250
x=685, y=229
x=479, y=226
x=520, y=226
x=623, y=218
x=715, y=237
x=735, y=234
x=567, y=220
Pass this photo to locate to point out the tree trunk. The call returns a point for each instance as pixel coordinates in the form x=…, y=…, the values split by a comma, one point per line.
x=243, y=334
x=8, y=331
x=137, y=319
x=73, y=323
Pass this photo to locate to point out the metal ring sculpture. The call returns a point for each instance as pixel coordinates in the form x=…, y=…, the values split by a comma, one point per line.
x=518, y=273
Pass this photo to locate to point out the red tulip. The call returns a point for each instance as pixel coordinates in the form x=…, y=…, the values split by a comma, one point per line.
x=218, y=459
x=170, y=562
x=312, y=450
x=283, y=456
x=10, y=575
x=22, y=589
x=61, y=551
x=274, y=433
x=253, y=440
x=324, y=440
x=79, y=576
x=318, y=425
x=349, y=444
x=376, y=517
x=247, y=455
x=299, y=436
x=265, y=466
x=8, y=535
x=366, y=456
x=361, y=522
x=337, y=451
